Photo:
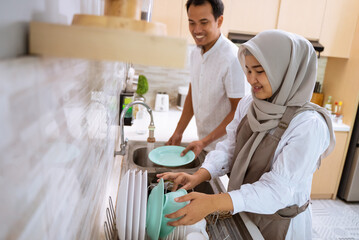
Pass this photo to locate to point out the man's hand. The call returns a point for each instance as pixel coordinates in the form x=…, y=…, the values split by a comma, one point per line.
x=195, y=146
x=175, y=139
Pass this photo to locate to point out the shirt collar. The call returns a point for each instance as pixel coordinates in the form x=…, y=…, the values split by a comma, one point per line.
x=213, y=48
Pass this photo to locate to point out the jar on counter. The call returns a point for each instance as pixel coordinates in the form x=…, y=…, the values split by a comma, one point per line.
x=181, y=97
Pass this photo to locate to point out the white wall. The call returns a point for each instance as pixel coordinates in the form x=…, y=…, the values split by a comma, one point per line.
x=58, y=128
x=15, y=16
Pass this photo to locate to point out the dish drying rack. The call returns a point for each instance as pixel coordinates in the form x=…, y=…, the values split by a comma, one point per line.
x=110, y=225
x=219, y=225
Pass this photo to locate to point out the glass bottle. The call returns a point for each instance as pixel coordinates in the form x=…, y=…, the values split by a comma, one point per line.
x=328, y=104
x=136, y=107
x=142, y=120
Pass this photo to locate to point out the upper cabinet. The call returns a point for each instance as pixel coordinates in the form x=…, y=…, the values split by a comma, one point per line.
x=185, y=33
x=332, y=22
x=304, y=17
x=250, y=16
x=170, y=13
x=338, y=28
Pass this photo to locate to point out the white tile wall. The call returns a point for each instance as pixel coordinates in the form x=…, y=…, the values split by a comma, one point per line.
x=162, y=79
x=58, y=122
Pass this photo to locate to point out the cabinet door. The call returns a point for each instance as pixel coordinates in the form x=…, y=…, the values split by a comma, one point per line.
x=304, y=17
x=252, y=16
x=168, y=12
x=326, y=178
x=184, y=24
x=338, y=29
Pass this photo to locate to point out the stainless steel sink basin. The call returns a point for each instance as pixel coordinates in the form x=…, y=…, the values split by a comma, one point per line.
x=140, y=158
x=137, y=156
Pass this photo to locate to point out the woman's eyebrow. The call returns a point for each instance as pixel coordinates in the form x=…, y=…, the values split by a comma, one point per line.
x=255, y=66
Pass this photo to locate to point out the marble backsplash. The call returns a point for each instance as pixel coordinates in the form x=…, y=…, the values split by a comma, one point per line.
x=58, y=128
x=161, y=79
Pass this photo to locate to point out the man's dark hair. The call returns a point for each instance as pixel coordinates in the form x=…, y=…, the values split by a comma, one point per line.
x=217, y=6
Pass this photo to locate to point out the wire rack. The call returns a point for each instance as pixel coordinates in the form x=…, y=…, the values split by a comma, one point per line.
x=110, y=223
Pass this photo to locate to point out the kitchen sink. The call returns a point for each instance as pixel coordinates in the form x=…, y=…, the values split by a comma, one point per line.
x=140, y=158
x=218, y=227
x=137, y=157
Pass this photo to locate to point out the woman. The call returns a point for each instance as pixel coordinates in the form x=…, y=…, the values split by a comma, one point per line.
x=274, y=143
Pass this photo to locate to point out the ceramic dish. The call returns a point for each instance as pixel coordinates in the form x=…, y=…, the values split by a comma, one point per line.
x=170, y=156
x=130, y=212
x=137, y=205
x=143, y=206
x=171, y=206
x=121, y=206
x=154, y=211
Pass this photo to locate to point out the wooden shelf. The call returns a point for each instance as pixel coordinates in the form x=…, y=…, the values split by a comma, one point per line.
x=155, y=28
x=109, y=40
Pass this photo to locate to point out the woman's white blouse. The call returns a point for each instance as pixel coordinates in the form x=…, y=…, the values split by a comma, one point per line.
x=290, y=178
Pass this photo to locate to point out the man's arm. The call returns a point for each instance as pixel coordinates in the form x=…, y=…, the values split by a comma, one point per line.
x=186, y=116
x=218, y=132
x=221, y=129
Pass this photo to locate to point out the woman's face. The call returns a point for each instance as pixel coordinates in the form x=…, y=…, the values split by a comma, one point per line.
x=257, y=78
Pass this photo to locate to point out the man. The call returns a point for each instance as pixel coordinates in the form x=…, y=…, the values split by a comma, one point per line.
x=217, y=79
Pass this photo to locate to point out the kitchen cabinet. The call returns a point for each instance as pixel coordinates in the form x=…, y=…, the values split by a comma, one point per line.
x=251, y=16
x=331, y=22
x=170, y=13
x=339, y=23
x=304, y=17
x=341, y=82
x=185, y=33
x=241, y=15
x=326, y=179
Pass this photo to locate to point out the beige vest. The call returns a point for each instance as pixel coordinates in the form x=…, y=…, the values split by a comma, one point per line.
x=272, y=226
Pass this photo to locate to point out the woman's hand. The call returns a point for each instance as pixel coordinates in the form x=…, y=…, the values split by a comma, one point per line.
x=187, y=181
x=199, y=207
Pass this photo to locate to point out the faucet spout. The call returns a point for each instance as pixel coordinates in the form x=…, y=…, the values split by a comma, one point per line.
x=151, y=127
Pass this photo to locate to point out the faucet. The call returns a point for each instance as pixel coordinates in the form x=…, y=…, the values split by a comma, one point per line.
x=151, y=127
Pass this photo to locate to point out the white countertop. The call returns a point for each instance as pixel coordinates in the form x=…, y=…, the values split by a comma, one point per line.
x=340, y=127
x=166, y=122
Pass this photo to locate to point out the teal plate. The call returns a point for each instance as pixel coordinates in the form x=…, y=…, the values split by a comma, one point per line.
x=154, y=211
x=170, y=156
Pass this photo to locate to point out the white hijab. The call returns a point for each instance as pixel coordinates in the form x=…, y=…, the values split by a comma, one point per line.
x=290, y=63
